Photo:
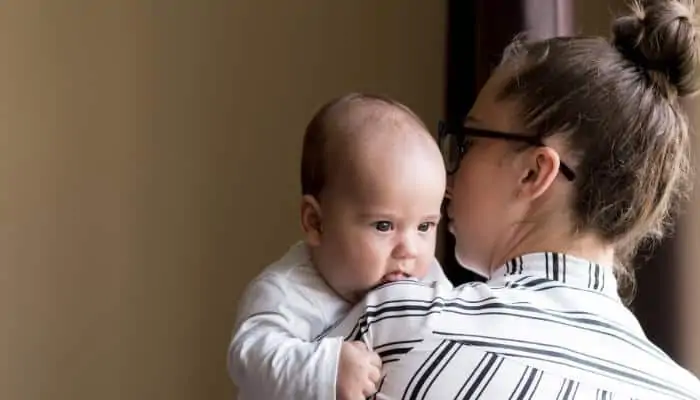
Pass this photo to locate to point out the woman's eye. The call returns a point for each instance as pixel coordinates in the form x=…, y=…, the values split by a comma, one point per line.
x=425, y=226
x=383, y=226
x=468, y=142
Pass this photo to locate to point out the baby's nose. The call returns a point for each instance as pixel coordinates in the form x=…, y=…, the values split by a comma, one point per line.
x=406, y=249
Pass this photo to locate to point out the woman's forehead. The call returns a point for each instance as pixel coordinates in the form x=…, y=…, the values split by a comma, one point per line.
x=490, y=112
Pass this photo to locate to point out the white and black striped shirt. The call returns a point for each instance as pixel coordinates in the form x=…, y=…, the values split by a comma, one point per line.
x=546, y=326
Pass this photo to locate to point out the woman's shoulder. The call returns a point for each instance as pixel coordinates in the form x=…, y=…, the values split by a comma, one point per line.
x=411, y=290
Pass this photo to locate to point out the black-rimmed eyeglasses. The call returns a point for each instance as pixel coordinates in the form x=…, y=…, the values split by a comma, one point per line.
x=454, y=143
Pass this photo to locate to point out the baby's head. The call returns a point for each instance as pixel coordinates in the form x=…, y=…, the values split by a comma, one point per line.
x=373, y=181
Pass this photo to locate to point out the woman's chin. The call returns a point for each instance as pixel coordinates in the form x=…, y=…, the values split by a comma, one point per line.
x=461, y=259
x=465, y=263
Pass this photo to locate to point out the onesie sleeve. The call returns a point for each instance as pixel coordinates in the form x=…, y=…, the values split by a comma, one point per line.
x=272, y=354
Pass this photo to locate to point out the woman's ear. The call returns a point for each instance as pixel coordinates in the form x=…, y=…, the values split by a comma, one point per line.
x=311, y=220
x=540, y=168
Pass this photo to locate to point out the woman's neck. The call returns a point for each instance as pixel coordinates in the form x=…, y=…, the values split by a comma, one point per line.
x=530, y=239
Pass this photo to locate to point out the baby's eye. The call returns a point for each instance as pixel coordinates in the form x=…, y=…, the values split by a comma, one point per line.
x=426, y=226
x=383, y=226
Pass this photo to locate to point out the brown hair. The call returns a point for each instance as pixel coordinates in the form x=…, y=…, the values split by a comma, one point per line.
x=327, y=121
x=617, y=105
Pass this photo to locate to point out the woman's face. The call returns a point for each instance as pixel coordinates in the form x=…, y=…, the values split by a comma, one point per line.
x=485, y=206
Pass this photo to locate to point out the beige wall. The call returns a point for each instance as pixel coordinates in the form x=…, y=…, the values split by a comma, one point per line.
x=688, y=293
x=689, y=279
x=594, y=17
x=148, y=169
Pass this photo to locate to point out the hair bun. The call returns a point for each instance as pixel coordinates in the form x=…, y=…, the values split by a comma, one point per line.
x=661, y=37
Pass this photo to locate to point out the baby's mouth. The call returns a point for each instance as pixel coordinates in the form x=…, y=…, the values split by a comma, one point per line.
x=395, y=276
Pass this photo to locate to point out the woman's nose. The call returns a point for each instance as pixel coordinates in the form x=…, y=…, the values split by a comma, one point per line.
x=445, y=207
x=448, y=188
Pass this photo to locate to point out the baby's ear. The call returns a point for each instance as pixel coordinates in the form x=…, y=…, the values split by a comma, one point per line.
x=311, y=220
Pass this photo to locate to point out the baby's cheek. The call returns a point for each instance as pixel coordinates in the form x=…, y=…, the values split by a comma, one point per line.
x=354, y=273
x=356, y=283
x=427, y=266
x=368, y=275
x=423, y=272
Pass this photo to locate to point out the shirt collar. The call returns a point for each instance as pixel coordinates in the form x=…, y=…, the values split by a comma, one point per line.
x=562, y=268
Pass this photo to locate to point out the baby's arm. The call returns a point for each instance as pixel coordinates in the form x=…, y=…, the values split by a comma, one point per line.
x=271, y=355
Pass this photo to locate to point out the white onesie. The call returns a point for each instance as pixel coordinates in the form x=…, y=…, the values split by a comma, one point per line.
x=273, y=355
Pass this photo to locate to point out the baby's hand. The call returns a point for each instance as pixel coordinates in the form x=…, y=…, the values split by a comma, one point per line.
x=359, y=371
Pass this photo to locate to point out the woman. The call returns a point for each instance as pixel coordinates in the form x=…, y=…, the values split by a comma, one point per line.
x=574, y=152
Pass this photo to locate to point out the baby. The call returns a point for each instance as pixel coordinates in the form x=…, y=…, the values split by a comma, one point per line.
x=372, y=182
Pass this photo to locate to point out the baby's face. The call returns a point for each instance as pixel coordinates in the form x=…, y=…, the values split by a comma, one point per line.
x=382, y=225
